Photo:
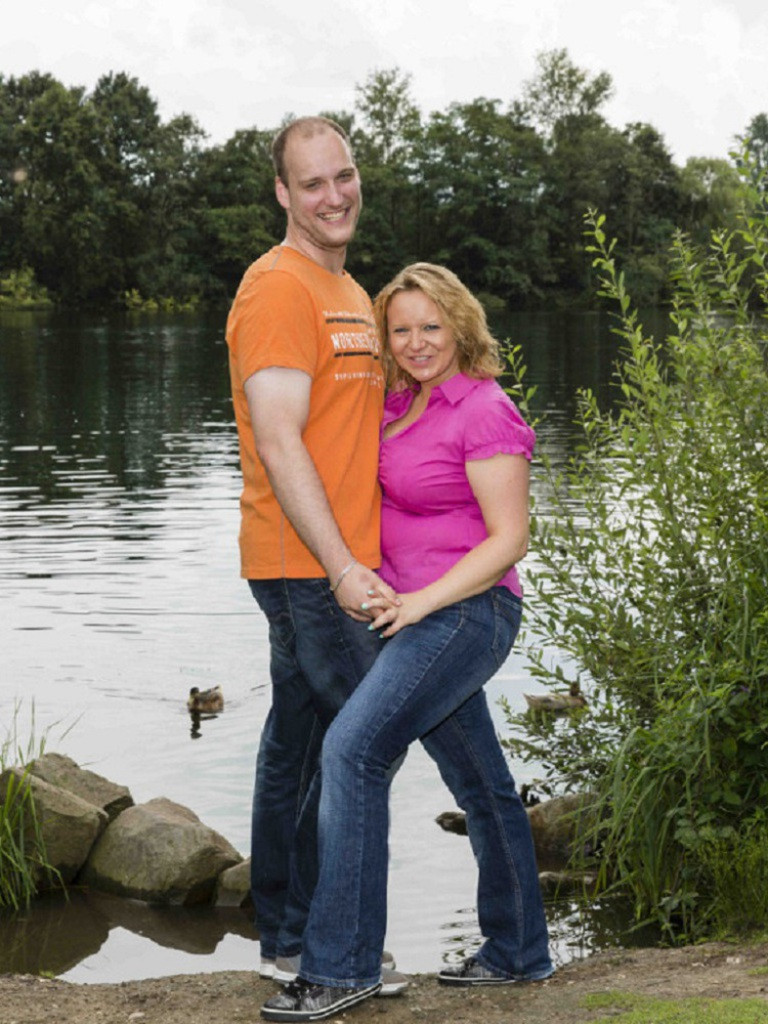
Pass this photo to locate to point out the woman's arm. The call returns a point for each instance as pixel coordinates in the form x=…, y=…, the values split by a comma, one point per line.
x=500, y=485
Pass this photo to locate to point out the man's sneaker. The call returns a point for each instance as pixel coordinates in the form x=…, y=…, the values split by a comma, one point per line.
x=266, y=968
x=287, y=969
x=303, y=1000
x=472, y=972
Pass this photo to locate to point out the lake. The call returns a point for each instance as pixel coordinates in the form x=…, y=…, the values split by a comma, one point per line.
x=119, y=590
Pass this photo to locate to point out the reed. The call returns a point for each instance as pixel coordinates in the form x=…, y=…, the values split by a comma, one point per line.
x=23, y=862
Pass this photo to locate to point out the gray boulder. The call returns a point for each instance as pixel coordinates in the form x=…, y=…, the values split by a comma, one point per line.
x=68, y=826
x=159, y=852
x=556, y=824
x=62, y=771
x=233, y=888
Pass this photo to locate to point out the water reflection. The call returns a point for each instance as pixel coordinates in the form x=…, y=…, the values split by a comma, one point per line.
x=60, y=936
x=119, y=591
x=58, y=933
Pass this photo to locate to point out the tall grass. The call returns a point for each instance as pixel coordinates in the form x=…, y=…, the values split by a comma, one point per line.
x=651, y=578
x=22, y=849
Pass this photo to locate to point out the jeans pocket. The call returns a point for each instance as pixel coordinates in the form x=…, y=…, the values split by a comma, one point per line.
x=508, y=613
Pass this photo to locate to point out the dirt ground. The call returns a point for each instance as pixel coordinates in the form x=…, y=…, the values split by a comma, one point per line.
x=714, y=970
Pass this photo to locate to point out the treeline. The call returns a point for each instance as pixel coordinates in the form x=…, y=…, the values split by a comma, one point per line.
x=101, y=202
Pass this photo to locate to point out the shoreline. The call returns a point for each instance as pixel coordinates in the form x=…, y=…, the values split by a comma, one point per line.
x=578, y=993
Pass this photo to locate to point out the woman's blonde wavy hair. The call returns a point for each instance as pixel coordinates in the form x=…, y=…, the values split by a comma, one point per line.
x=478, y=350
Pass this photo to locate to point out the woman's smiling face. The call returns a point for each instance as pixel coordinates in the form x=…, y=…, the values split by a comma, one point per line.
x=420, y=339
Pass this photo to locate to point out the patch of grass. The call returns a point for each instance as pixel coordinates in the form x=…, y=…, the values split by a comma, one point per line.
x=756, y=972
x=22, y=849
x=641, y=1009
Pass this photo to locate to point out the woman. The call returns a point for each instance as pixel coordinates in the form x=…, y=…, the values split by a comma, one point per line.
x=454, y=474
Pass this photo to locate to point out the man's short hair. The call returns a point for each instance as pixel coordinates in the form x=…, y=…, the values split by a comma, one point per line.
x=306, y=127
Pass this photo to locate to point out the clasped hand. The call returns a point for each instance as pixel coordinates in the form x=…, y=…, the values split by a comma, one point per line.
x=390, y=618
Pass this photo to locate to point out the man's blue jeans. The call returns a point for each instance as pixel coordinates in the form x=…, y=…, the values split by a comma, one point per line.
x=318, y=655
x=426, y=684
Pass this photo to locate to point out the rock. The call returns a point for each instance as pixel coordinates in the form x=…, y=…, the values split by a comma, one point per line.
x=159, y=852
x=62, y=771
x=563, y=883
x=556, y=825
x=69, y=825
x=233, y=888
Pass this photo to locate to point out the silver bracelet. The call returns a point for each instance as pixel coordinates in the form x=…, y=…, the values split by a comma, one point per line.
x=343, y=573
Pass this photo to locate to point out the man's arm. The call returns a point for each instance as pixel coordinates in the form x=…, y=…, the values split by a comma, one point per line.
x=278, y=403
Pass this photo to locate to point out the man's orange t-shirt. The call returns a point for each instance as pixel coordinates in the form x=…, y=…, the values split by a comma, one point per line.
x=291, y=312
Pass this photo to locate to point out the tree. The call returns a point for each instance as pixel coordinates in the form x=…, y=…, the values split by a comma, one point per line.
x=389, y=119
x=754, y=143
x=98, y=188
x=710, y=193
x=481, y=170
x=61, y=232
x=236, y=216
x=386, y=128
x=560, y=91
x=565, y=103
x=644, y=203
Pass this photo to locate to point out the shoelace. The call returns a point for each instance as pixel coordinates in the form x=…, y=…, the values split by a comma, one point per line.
x=299, y=987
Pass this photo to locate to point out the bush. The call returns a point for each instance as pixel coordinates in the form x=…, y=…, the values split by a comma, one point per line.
x=20, y=290
x=134, y=302
x=651, y=578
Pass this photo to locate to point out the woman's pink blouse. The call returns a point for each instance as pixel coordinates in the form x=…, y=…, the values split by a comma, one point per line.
x=429, y=516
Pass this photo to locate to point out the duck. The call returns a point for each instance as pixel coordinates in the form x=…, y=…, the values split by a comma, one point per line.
x=556, y=702
x=205, y=702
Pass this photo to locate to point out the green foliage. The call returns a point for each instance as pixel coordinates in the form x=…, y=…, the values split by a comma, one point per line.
x=99, y=196
x=22, y=851
x=736, y=871
x=629, y=1008
x=561, y=92
x=651, y=578
x=20, y=290
x=135, y=303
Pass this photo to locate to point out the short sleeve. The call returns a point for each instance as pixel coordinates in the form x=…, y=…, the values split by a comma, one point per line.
x=275, y=325
x=494, y=426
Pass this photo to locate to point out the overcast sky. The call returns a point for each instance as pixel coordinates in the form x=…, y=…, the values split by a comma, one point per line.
x=695, y=69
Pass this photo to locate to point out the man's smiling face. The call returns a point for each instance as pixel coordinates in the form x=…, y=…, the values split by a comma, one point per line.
x=321, y=196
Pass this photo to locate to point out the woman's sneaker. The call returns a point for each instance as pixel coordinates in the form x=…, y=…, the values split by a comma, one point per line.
x=472, y=972
x=266, y=967
x=303, y=1000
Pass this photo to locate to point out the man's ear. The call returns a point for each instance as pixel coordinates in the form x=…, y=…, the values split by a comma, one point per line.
x=281, y=191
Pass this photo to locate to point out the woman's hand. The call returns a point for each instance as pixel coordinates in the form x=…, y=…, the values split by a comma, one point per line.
x=390, y=619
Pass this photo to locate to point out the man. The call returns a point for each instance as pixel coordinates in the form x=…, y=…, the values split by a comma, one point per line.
x=308, y=392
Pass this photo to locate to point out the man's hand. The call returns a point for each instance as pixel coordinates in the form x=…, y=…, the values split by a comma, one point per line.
x=359, y=587
x=389, y=618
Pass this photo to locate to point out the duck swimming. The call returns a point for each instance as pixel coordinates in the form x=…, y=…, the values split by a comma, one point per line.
x=205, y=702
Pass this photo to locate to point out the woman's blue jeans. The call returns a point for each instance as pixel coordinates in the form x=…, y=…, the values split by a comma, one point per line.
x=426, y=684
